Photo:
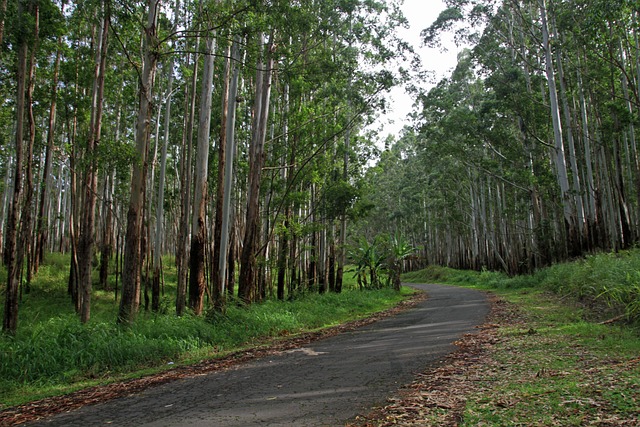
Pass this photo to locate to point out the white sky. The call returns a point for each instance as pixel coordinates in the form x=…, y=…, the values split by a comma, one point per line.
x=421, y=14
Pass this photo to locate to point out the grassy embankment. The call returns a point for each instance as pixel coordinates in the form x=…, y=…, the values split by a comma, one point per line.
x=571, y=354
x=54, y=354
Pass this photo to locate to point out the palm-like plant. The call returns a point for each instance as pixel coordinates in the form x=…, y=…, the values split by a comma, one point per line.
x=398, y=250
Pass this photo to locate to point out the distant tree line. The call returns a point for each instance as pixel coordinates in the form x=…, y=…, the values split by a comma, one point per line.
x=528, y=153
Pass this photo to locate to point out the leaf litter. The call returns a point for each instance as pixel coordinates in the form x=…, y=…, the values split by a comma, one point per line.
x=489, y=381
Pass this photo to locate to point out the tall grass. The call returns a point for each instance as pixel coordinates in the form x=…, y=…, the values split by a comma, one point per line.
x=52, y=350
x=606, y=284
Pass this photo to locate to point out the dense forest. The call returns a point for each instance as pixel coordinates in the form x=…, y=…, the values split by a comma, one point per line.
x=227, y=134
x=233, y=136
x=527, y=154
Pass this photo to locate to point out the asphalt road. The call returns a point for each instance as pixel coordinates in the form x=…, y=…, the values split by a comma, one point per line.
x=324, y=384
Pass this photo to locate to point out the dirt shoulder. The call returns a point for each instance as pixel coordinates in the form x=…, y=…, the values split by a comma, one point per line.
x=438, y=395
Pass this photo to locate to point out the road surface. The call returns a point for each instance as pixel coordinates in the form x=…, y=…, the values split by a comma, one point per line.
x=326, y=383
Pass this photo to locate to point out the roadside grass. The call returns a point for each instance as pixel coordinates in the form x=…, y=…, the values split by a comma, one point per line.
x=557, y=362
x=553, y=368
x=53, y=353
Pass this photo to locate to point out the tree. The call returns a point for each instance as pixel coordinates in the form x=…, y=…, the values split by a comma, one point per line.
x=90, y=181
x=10, y=320
x=130, y=300
x=197, y=283
x=250, y=247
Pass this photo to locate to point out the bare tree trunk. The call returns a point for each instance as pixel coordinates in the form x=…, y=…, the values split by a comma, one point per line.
x=43, y=231
x=160, y=235
x=197, y=283
x=27, y=218
x=73, y=200
x=560, y=161
x=10, y=319
x=248, y=267
x=106, y=250
x=182, y=252
x=87, y=231
x=225, y=176
x=341, y=256
x=130, y=301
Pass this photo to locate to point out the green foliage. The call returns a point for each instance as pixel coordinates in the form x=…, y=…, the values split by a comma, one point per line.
x=368, y=259
x=382, y=256
x=550, y=367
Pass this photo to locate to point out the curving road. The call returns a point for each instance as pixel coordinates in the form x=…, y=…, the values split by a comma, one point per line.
x=324, y=384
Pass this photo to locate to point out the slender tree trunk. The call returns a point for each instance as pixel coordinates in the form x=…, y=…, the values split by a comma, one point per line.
x=87, y=231
x=197, y=283
x=106, y=251
x=160, y=235
x=248, y=267
x=341, y=256
x=10, y=319
x=182, y=253
x=43, y=208
x=225, y=176
x=130, y=301
x=27, y=217
x=560, y=161
x=73, y=200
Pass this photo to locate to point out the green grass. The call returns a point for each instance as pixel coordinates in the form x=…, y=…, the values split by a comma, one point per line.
x=52, y=353
x=556, y=363
x=554, y=368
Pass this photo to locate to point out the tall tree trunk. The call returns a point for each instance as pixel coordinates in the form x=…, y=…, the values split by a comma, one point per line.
x=130, y=301
x=341, y=256
x=108, y=238
x=560, y=161
x=182, y=252
x=43, y=208
x=73, y=200
x=10, y=319
x=197, y=283
x=106, y=250
x=160, y=235
x=27, y=217
x=248, y=267
x=225, y=176
x=87, y=229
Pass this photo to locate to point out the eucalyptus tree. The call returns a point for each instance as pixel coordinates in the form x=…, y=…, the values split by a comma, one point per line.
x=90, y=181
x=22, y=20
x=264, y=74
x=130, y=300
x=44, y=206
x=30, y=26
x=198, y=233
